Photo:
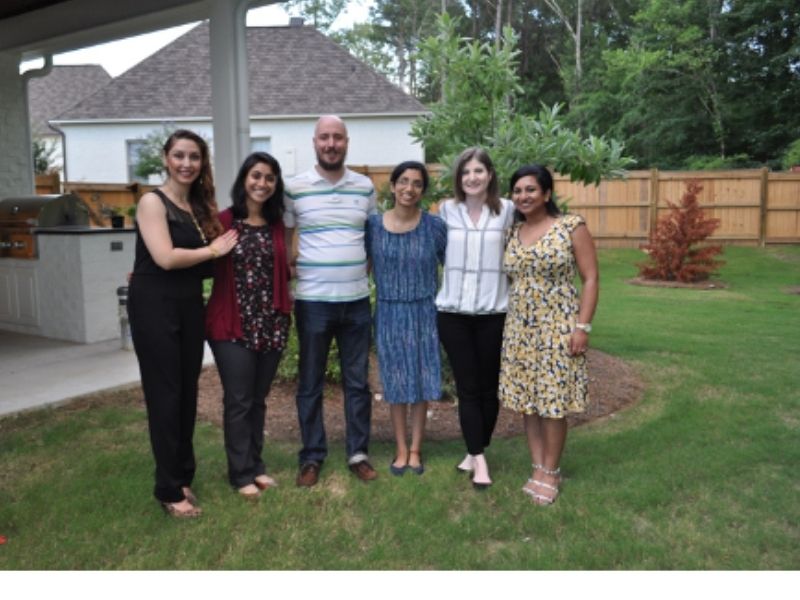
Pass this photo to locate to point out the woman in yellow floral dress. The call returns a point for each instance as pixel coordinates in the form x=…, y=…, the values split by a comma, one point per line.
x=543, y=364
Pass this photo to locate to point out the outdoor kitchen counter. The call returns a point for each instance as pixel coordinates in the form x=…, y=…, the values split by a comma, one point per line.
x=70, y=291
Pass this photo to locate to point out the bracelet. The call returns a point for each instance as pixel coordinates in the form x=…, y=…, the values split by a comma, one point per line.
x=214, y=253
x=585, y=327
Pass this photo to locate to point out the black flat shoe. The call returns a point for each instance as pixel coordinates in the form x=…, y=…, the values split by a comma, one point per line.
x=420, y=469
x=397, y=471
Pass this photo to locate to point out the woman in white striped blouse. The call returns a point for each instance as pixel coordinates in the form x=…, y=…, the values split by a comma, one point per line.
x=472, y=301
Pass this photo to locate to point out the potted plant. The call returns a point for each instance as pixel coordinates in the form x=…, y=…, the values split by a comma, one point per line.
x=117, y=217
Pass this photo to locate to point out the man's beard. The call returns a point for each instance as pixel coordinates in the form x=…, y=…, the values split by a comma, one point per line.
x=329, y=166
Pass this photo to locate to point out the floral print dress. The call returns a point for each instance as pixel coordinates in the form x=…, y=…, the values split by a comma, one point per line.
x=537, y=373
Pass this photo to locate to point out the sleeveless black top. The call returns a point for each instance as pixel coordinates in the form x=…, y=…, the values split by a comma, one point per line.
x=184, y=234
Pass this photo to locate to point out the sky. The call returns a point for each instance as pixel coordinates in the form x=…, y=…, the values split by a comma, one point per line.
x=117, y=57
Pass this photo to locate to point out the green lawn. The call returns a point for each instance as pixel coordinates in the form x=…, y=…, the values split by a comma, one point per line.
x=703, y=474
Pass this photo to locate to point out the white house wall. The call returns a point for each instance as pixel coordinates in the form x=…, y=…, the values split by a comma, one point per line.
x=97, y=152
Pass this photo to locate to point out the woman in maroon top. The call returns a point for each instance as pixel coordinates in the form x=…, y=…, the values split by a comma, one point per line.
x=248, y=316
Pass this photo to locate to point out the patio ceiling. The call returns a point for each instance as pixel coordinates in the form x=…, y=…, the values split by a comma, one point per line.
x=38, y=27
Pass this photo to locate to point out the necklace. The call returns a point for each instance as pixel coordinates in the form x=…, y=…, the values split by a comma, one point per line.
x=199, y=230
x=189, y=210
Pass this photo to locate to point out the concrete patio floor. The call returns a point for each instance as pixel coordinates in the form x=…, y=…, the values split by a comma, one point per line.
x=37, y=372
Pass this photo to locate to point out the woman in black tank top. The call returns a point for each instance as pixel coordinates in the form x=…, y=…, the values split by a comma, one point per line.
x=178, y=234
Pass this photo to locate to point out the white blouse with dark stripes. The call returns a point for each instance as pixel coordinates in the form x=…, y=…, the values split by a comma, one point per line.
x=473, y=281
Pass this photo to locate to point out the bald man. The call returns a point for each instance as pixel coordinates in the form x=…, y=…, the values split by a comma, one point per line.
x=328, y=206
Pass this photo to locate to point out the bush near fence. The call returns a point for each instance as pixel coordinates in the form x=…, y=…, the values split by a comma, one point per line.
x=754, y=206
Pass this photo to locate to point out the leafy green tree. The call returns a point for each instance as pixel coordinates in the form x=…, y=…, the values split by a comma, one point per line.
x=699, y=78
x=477, y=81
x=365, y=42
x=481, y=87
x=403, y=24
x=43, y=157
x=660, y=93
x=151, y=154
x=791, y=158
x=760, y=75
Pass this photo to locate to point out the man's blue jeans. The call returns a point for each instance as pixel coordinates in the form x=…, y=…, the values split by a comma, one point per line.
x=318, y=323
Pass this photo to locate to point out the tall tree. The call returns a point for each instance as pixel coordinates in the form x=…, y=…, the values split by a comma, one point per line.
x=321, y=13
x=367, y=44
x=401, y=25
x=760, y=75
x=481, y=89
x=575, y=31
x=659, y=92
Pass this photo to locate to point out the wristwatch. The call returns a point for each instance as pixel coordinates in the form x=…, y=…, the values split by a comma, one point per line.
x=586, y=327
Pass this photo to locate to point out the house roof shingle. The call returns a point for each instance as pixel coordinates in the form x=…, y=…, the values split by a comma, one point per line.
x=60, y=89
x=292, y=70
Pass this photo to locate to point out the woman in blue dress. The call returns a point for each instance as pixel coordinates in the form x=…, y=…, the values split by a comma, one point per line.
x=406, y=245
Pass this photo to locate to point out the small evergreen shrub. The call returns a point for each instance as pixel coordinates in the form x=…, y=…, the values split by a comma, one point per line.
x=673, y=247
x=791, y=157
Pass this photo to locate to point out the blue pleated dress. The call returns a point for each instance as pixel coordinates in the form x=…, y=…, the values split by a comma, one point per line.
x=405, y=268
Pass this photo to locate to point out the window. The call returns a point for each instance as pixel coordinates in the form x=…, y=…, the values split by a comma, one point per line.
x=133, y=149
x=261, y=144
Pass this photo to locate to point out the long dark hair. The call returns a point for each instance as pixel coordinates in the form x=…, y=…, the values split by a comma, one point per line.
x=492, y=191
x=272, y=209
x=545, y=181
x=201, y=193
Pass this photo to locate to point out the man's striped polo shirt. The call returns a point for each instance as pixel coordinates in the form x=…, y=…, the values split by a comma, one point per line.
x=330, y=219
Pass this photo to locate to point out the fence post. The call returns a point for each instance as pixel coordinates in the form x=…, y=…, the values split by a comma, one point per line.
x=653, y=202
x=762, y=204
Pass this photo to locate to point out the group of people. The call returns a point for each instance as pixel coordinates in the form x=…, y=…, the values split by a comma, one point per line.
x=507, y=312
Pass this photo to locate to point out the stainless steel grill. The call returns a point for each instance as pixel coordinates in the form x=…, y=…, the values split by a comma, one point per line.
x=19, y=217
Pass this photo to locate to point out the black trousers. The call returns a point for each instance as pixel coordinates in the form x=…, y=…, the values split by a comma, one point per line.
x=167, y=326
x=473, y=344
x=246, y=377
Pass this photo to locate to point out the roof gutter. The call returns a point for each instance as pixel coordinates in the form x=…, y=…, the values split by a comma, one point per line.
x=206, y=118
x=43, y=71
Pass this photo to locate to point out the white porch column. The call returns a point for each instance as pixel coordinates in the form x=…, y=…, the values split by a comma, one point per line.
x=229, y=92
x=16, y=155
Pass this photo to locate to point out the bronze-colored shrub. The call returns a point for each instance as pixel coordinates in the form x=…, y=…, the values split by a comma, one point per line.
x=673, y=248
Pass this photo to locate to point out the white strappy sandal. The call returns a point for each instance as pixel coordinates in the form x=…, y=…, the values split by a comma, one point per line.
x=539, y=498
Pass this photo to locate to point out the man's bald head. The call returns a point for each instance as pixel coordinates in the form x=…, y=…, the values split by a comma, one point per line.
x=330, y=143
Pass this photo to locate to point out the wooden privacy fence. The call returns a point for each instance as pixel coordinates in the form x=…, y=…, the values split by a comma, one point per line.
x=754, y=206
x=48, y=184
x=105, y=199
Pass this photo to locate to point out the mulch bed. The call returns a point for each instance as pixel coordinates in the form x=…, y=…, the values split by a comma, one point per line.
x=613, y=386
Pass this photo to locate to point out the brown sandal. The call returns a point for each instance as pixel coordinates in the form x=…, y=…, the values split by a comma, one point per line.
x=250, y=494
x=172, y=510
x=265, y=483
x=189, y=495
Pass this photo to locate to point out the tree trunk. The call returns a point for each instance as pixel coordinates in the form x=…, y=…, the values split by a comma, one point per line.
x=498, y=23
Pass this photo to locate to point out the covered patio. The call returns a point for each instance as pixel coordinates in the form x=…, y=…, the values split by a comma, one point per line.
x=36, y=371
